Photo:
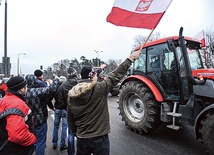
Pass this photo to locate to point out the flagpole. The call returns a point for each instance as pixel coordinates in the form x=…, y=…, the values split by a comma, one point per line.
x=147, y=39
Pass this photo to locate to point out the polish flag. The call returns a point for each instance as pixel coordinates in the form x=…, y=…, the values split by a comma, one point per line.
x=138, y=13
x=200, y=36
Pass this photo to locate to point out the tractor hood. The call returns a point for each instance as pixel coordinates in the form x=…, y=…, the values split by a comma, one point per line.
x=205, y=73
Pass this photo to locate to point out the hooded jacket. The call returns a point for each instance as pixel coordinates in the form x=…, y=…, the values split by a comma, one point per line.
x=36, y=98
x=88, y=114
x=19, y=136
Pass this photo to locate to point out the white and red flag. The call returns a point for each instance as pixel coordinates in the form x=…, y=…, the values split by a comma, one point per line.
x=200, y=36
x=138, y=13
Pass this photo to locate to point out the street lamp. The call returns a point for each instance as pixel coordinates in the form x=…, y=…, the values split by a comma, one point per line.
x=18, y=63
x=97, y=56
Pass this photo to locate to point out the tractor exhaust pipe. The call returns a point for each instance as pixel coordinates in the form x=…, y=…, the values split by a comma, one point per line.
x=190, y=78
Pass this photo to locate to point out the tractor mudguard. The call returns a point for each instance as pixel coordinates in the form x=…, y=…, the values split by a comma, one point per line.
x=153, y=88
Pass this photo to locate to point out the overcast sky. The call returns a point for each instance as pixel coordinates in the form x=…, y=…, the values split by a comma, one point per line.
x=52, y=30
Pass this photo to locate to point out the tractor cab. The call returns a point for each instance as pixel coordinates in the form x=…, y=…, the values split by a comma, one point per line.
x=166, y=68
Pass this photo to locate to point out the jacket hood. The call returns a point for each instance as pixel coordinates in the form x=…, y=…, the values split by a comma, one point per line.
x=31, y=81
x=81, y=88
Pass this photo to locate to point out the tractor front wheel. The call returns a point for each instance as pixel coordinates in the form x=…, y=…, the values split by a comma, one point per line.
x=138, y=107
x=207, y=132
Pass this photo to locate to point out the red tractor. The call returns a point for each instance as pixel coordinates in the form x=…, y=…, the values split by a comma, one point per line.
x=169, y=83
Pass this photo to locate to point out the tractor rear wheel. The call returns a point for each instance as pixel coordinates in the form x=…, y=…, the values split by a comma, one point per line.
x=139, y=109
x=207, y=132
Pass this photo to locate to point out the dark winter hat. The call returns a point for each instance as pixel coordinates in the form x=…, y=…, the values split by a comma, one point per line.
x=87, y=72
x=16, y=83
x=38, y=73
x=99, y=71
x=72, y=72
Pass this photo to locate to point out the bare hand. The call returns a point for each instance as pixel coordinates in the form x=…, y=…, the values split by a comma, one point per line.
x=49, y=81
x=135, y=55
x=103, y=66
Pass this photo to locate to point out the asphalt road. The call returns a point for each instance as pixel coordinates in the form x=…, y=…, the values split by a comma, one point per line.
x=163, y=141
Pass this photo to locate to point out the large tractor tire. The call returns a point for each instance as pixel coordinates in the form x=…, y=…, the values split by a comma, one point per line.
x=139, y=109
x=207, y=132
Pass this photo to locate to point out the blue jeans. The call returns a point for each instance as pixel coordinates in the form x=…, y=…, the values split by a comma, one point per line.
x=96, y=146
x=71, y=144
x=60, y=113
x=41, y=136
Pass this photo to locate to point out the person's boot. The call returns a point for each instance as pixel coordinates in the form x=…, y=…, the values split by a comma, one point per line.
x=64, y=147
x=54, y=147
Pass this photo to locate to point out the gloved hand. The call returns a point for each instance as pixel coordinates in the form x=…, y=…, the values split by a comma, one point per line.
x=135, y=55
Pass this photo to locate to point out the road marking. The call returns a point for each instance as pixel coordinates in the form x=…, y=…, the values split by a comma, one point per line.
x=52, y=116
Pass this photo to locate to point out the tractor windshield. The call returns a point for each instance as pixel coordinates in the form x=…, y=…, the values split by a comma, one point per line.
x=194, y=58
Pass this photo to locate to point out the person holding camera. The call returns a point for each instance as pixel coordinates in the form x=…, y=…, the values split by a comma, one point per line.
x=88, y=115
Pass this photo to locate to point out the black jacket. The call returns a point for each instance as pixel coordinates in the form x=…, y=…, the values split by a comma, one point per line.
x=62, y=93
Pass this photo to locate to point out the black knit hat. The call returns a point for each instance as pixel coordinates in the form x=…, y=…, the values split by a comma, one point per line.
x=38, y=73
x=85, y=72
x=16, y=83
x=88, y=72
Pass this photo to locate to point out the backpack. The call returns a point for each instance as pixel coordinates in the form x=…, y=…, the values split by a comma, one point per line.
x=10, y=111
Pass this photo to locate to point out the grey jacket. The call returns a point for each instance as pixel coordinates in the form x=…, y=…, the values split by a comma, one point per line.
x=88, y=114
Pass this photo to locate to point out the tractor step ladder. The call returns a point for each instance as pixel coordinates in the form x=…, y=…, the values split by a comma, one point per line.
x=174, y=114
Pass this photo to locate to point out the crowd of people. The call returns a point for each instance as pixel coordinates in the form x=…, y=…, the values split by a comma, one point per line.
x=81, y=105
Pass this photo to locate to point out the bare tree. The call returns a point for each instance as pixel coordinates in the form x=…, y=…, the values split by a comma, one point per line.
x=55, y=66
x=85, y=61
x=60, y=68
x=65, y=62
x=75, y=63
x=140, y=39
x=208, y=51
x=112, y=65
